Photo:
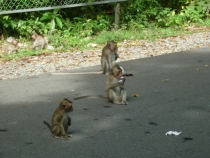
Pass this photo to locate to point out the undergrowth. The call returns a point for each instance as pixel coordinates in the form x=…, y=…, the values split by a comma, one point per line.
x=74, y=31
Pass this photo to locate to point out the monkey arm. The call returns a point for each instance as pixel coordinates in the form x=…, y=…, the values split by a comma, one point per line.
x=112, y=86
x=69, y=121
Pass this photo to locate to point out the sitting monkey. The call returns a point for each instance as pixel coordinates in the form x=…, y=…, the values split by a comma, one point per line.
x=10, y=47
x=61, y=121
x=109, y=56
x=114, y=86
x=39, y=41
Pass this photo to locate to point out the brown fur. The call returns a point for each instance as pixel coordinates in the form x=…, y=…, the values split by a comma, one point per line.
x=60, y=120
x=114, y=86
x=10, y=48
x=109, y=56
x=39, y=41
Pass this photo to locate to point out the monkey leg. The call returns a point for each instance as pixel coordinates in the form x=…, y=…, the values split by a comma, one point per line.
x=59, y=132
x=123, y=96
x=114, y=98
x=105, y=67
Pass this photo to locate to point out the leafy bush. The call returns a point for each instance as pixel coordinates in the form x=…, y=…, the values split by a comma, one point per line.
x=69, y=28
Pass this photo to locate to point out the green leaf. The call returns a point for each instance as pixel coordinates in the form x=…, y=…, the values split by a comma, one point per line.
x=55, y=11
x=59, y=23
x=47, y=16
x=52, y=25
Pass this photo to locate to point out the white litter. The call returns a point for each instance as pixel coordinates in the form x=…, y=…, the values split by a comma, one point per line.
x=175, y=133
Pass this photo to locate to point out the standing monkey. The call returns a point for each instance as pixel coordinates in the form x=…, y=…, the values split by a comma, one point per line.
x=39, y=41
x=60, y=120
x=114, y=86
x=109, y=56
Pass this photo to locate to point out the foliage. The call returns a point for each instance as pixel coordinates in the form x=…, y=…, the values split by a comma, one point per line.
x=76, y=27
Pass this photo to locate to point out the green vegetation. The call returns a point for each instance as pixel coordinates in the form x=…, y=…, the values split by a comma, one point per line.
x=74, y=28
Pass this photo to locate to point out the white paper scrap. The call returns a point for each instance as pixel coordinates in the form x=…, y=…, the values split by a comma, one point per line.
x=173, y=133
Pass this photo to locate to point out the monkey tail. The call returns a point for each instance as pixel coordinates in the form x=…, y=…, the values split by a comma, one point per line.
x=90, y=96
x=48, y=125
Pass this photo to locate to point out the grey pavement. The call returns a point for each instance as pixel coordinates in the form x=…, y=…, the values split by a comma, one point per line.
x=174, y=96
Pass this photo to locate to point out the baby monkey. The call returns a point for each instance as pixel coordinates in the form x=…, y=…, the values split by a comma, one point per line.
x=114, y=86
x=61, y=121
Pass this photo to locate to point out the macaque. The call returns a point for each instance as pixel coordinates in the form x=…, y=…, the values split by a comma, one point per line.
x=109, y=56
x=114, y=86
x=61, y=121
x=11, y=47
x=39, y=41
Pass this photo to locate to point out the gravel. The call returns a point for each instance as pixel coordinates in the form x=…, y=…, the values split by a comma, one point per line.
x=128, y=50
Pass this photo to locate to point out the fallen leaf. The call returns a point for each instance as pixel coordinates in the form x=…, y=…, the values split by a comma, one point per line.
x=135, y=95
x=197, y=46
x=198, y=69
x=206, y=65
x=165, y=80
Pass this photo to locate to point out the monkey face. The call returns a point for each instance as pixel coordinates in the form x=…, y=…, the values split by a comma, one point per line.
x=66, y=105
x=69, y=107
x=14, y=42
x=117, y=71
x=112, y=45
x=34, y=36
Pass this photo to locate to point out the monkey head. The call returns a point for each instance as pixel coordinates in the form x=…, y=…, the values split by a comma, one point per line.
x=66, y=105
x=112, y=45
x=34, y=36
x=117, y=71
x=14, y=42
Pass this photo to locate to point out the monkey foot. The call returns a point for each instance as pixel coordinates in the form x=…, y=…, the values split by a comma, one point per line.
x=70, y=135
x=125, y=102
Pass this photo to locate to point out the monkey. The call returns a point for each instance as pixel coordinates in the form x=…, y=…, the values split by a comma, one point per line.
x=60, y=120
x=39, y=41
x=109, y=56
x=11, y=47
x=114, y=86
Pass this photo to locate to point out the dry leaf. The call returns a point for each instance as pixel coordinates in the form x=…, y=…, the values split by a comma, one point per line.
x=135, y=95
x=199, y=69
x=197, y=46
x=206, y=65
x=165, y=80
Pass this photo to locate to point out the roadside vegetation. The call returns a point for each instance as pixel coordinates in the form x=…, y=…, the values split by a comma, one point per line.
x=74, y=28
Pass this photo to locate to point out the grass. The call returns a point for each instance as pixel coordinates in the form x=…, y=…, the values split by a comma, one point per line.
x=76, y=43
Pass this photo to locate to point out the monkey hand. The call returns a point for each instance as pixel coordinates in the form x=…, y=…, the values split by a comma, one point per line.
x=122, y=80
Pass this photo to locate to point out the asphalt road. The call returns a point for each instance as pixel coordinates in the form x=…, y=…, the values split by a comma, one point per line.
x=174, y=96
